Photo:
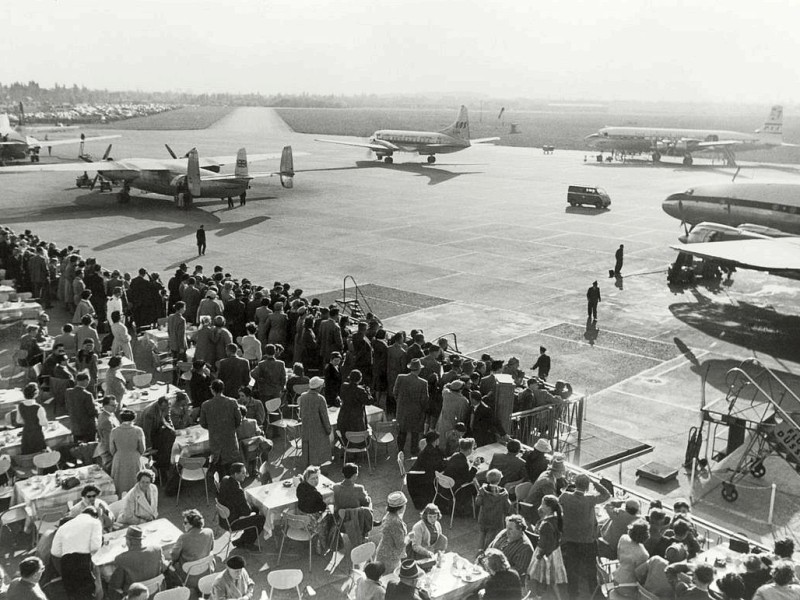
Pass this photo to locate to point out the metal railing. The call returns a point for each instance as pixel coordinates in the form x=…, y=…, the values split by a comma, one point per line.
x=560, y=423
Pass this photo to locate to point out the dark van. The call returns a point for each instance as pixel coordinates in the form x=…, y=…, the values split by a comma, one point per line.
x=597, y=197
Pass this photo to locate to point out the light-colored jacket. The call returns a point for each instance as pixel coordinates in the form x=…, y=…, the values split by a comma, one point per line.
x=421, y=542
x=136, y=508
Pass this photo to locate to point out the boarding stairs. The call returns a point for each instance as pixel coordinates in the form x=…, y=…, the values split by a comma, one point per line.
x=762, y=414
x=354, y=306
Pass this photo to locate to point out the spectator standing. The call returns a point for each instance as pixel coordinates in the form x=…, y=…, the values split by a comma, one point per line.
x=593, y=299
x=411, y=396
x=542, y=363
x=82, y=410
x=316, y=424
x=220, y=416
x=126, y=445
x=200, y=236
x=74, y=543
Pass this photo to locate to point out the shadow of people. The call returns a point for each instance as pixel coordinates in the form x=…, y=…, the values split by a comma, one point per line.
x=590, y=335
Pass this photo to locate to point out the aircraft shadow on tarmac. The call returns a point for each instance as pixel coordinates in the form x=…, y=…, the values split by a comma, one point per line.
x=589, y=211
x=435, y=174
x=715, y=371
x=146, y=208
x=755, y=328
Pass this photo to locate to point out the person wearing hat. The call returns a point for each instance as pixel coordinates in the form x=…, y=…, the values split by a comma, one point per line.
x=234, y=583
x=411, y=395
x=396, y=361
x=352, y=415
x=277, y=324
x=593, y=299
x=542, y=364
x=138, y=563
x=536, y=460
x=316, y=424
x=392, y=547
x=488, y=383
x=486, y=427
x=406, y=588
x=621, y=513
x=551, y=482
x=455, y=407
x=270, y=375
x=651, y=574
x=512, y=368
x=370, y=587
x=210, y=306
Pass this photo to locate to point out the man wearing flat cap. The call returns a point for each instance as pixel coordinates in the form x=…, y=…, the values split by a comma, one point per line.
x=234, y=583
x=406, y=589
x=411, y=396
x=138, y=563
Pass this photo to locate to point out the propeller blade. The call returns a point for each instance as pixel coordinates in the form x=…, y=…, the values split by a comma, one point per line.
x=94, y=181
x=171, y=153
x=107, y=153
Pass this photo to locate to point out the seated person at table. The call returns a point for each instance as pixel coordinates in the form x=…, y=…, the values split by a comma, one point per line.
x=652, y=574
x=26, y=586
x=33, y=419
x=406, y=588
x=138, y=563
x=658, y=542
x=251, y=438
x=503, y=582
x=632, y=554
x=684, y=535
x=688, y=583
x=510, y=465
x=67, y=338
x=536, y=461
x=783, y=583
x=242, y=517
x=234, y=583
x=427, y=538
x=370, y=587
x=180, y=413
x=494, y=507
x=114, y=383
x=349, y=494
x=159, y=433
x=90, y=497
x=513, y=542
x=423, y=472
x=255, y=408
x=756, y=574
x=86, y=360
x=311, y=502
x=141, y=501
x=461, y=470
x=731, y=587
x=784, y=550
x=195, y=543
x=453, y=437
x=29, y=344
x=82, y=410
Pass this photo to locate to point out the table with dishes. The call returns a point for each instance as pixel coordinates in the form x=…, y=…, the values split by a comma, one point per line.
x=160, y=336
x=374, y=415
x=191, y=441
x=45, y=491
x=140, y=398
x=20, y=310
x=274, y=498
x=455, y=578
x=161, y=533
x=55, y=435
x=102, y=366
x=9, y=399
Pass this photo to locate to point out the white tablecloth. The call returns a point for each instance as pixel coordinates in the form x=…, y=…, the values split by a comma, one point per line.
x=44, y=490
x=55, y=435
x=20, y=310
x=160, y=532
x=139, y=399
x=457, y=578
x=9, y=398
x=274, y=498
x=374, y=415
x=191, y=441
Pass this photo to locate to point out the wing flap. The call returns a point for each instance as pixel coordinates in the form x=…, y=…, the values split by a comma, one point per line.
x=484, y=140
x=375, y=147
x=718, y=144
x=781, y=254
x=231, y=159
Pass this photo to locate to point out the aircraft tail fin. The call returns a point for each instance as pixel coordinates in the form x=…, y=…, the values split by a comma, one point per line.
x=287, y=168
x=773, y=127
x=193, y=173
x=459, y=129
x=241, y=164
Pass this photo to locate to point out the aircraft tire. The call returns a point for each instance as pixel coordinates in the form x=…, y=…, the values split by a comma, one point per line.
x=656, y=157
x=598, y=205
x=388, y=160
x=688, y=161
x=431, y=159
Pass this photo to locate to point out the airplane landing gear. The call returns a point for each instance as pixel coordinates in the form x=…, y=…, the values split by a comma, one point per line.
x=687, y=161
x=431, y=159
x=656, y=157
x=388, y=160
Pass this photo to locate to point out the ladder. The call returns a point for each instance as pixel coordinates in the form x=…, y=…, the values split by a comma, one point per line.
x=355, y=305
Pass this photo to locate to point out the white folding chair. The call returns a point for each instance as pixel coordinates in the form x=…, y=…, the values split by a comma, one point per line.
x=200, y=566
x=153, y=585
x=46, y=460
x=206, y=583
x=225, y=515
x=14, y=514
x=521, y=492
x=178, y=593
x=298, y=528
x=285, y=579
x=384, y=433
x=192, y=469
x=446, y=488
x=357, y=437
x=142, y=380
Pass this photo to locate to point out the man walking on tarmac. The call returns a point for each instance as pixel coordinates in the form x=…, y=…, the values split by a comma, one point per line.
x=618, y=255
x=201, y=240
x=593, y=297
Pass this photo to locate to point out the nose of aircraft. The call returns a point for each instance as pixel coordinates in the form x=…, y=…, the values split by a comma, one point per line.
x=591, y=140
x=672, y=205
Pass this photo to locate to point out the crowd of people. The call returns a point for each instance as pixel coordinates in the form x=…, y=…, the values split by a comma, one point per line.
x=251, y=345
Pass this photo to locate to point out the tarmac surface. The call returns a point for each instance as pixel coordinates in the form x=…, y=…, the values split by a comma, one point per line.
x=483, y=244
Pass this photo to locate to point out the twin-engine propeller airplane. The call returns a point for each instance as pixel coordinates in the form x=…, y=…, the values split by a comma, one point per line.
x=183, y=178
x=385, y=142
x=745, y=225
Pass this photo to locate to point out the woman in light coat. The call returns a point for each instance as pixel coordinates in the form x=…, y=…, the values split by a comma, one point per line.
x=455, y=408
x=316, y=425
x=126, y=444
x=140, y=504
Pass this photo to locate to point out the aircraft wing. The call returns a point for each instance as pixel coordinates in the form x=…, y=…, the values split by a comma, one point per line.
x=718, y=144
x=135, y=164
x=376, y=147
x=232, y=176
x=231, y=159
x=42, y=143
x=484, y=140
x=774, y=255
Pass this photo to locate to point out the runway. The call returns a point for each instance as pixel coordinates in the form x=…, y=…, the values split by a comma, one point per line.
x=482, y=244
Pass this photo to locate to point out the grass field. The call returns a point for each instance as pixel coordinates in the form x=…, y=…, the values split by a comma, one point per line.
x=187, y=118
x=565, y=129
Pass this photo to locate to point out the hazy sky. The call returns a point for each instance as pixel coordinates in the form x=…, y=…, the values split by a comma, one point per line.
x=594, y=49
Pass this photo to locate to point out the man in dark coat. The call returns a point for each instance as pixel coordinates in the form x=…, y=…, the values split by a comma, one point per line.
x=330, y=334
x=618, y=256
x=461, y=470
x=94, y=281
x=362, y=352
x=270, y=375
x=201, y=240
x=139, y=296
x=82, y=410
x=40, y=277
x=191, y=296
x=221, y=417
x=233, y=370
x=411, y=396
x=242, y=517
x=542, y=363
x=593, y=299
x=419, y=479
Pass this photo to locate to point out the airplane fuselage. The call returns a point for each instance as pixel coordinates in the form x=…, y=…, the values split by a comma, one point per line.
x=773, y=205
x=674, y=142
x=422, y=142
x=166, y=182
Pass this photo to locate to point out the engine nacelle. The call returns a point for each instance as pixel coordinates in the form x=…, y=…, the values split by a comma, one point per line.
x=178, y=181
x=287, y=181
